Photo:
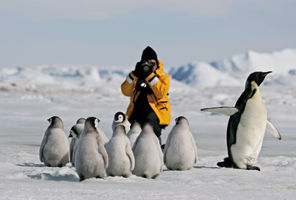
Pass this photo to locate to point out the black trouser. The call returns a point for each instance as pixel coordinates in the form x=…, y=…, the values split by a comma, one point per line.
x=143, y=113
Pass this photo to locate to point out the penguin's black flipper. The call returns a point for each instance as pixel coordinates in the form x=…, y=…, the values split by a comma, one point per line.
x=225, y=110
x=273, y=130
x=226, y=163
x=81, y=178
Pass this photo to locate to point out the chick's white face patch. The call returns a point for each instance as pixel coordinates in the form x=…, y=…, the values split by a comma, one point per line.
x=96, y=122
x=120, y=118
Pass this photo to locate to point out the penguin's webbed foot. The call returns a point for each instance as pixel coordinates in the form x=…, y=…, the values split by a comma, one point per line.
x=82, y=178
x=226, y=163
x=145, y=176
x=125, y=175
x=251, y=167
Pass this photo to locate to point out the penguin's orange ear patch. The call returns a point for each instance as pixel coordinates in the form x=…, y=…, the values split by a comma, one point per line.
x=254, y=84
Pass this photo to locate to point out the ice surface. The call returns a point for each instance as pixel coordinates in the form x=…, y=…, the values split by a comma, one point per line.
x=23, y=122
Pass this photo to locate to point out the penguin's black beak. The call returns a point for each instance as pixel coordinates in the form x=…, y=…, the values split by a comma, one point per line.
x=266, y=73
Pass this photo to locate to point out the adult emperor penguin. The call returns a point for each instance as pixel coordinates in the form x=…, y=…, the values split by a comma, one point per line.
x=75, y=133
x=134, y=132
x=180, y=151
x=246, y=125
x=120, y=119
x=54, y=150
x=91, y=159
x=121, y=157
x=148, y=154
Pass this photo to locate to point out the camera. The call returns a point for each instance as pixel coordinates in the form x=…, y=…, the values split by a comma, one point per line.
x=146, y=66
x=143, y=69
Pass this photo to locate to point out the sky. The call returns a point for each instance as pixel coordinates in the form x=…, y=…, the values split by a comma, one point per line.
x=114, y=33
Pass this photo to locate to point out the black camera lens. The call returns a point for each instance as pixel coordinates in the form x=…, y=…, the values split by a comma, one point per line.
x=146, y=66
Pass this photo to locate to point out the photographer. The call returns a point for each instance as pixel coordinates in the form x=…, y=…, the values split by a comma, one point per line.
x=148, y=86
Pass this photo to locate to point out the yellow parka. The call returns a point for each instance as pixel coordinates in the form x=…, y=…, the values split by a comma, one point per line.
x=159, y=83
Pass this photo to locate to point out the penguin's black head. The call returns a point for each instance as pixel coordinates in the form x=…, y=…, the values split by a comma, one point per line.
x=180, y=119
x=73, y=132
x=258, y=77
x=80, y=121
x=55, y=121
x=92, y=122
x=119, y=117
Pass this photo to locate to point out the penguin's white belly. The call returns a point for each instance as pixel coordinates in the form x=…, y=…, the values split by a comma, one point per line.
x=250, y=134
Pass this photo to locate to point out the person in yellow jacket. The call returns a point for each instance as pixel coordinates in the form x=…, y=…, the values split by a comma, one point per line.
x=148, y=86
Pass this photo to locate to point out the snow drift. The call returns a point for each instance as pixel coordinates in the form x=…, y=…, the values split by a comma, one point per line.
x=228, y=72
x=233, y=70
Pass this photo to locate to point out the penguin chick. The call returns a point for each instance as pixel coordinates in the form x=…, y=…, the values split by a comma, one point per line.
x=75, y=133
x=121, y=157
x=91, y=158
x=180, y=151
x=148, y=154
x=54, y=149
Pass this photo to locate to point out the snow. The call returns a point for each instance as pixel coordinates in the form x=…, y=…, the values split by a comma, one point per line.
x=201, y=74
x=32, y=94
x=232, y=70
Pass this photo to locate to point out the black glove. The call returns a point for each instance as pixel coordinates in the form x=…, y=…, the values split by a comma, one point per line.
x=143, y=69
x=137, y=70
x=141, y=85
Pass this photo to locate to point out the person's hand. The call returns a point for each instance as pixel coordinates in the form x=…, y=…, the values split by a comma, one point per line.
x=141, y=85
x=137, y=70
x=143, y=69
